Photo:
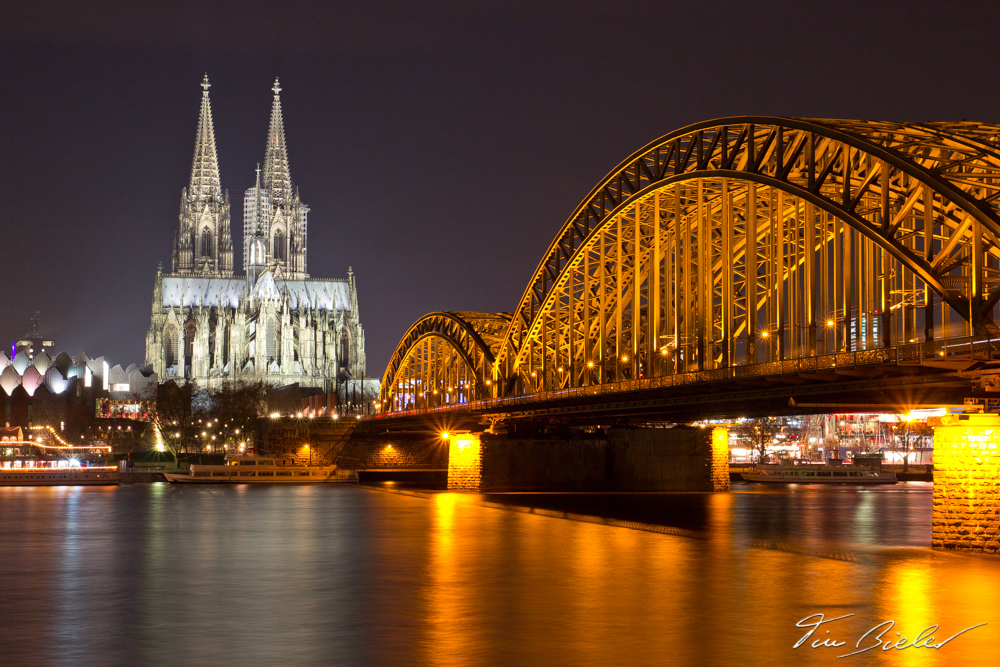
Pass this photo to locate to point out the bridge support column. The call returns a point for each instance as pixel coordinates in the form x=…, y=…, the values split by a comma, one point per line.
x=966, y=512
x=465, y=463
x=719, y=462
x=676, y=459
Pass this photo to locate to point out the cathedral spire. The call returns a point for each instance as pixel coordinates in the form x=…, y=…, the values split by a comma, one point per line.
x=276, y=177
x=258, y=224
x=205, y=168
x=257, y=248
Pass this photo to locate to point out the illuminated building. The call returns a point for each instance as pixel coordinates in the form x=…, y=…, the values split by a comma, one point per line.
x=56, y=390
x=275, y=323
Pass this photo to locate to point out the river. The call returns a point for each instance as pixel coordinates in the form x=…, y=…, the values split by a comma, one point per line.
x=153, y=574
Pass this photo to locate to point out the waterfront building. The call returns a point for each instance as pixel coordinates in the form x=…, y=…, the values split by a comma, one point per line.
x=275, y=323
x=61, y=390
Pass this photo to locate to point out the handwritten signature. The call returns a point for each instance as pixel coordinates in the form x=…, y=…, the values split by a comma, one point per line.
x=873, y=639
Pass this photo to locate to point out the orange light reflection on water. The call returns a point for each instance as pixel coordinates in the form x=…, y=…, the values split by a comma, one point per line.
x=315, y=574
x=519, y=587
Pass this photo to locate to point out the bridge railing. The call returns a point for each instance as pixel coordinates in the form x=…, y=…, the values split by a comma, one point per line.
x=967, y=347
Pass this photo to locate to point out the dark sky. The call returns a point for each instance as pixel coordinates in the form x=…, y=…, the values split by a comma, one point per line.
x=439, y=145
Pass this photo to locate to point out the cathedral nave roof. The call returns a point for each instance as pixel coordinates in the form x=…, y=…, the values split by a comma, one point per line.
x=314, y=294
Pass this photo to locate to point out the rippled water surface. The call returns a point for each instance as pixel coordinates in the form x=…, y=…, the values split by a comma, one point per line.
x=152, y=574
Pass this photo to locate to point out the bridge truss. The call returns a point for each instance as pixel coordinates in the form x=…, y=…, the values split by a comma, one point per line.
x=738, y=242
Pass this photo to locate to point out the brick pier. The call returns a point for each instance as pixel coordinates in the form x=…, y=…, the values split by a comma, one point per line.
x=966, y=483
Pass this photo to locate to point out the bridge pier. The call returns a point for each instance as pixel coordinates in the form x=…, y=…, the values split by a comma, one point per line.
x=966, y=513
x=676, y=459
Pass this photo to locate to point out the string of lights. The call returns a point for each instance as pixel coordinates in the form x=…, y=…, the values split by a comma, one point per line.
x=63, y=444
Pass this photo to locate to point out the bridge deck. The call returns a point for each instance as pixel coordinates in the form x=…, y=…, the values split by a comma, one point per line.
x=882, y=379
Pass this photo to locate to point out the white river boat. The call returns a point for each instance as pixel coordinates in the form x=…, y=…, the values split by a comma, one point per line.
x=818, y=474
x=69, y=476
x=261, y=470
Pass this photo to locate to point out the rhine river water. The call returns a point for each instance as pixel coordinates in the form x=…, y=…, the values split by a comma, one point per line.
x=152, y=574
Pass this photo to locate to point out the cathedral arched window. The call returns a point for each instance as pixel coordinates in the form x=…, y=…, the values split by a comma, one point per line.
x=206, y=243
x=272, y=340
x=278, y=246
x=190, y=329
x=345, y=350
x=212, y=347
x=170, y=346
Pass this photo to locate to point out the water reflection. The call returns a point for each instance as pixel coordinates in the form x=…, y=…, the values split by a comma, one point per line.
x=153, y=574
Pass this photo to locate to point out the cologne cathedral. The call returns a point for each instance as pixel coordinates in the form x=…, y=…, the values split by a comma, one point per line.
x=274, y=322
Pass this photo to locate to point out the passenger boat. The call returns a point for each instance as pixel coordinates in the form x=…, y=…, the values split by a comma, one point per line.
x=261, y=470
x=819, y=474
x=69, y=476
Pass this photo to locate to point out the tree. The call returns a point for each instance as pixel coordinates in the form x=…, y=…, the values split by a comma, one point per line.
x=358, y=396
x=759, y=433
x=909, y=431
x=174, y=416
x=235, y=408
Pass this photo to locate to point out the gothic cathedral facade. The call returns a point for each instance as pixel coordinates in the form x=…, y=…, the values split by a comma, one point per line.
x=273, y=323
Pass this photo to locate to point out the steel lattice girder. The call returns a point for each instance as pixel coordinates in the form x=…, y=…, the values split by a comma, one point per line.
x=833, y=164
x=474, y=337
x=926, y=195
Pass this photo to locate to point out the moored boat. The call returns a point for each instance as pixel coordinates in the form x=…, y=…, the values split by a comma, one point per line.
x=819, y=474
x=69, y=476
x=261, y=470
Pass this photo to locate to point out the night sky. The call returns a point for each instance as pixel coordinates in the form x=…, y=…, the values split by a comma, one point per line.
x=439, y=145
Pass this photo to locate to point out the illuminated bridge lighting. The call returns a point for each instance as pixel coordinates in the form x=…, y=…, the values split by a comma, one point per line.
x=739, y=242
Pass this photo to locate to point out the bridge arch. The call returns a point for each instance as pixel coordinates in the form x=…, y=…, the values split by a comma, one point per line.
x=444, y=358
x=761, y=239
x=741, y=241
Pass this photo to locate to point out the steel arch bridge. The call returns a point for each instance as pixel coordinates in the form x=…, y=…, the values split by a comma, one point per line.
x=740, y=243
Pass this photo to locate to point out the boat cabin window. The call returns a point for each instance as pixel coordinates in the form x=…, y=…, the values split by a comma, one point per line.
x=265, y=474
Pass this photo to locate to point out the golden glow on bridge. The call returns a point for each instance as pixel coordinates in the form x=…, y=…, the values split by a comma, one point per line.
x=739, y=242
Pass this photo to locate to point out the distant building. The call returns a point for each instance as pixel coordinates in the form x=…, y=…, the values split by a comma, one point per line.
x=11, y=435
x=275, y=322
x=52, y=390
x=32, y=342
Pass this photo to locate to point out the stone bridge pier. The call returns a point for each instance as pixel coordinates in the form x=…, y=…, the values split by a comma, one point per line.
x=966, y=500
x=966, y=512
x=652, y=459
